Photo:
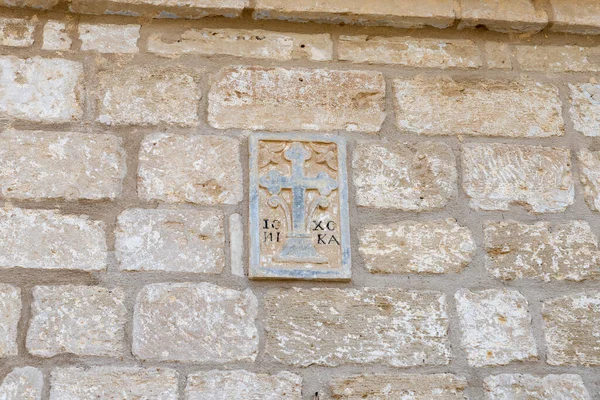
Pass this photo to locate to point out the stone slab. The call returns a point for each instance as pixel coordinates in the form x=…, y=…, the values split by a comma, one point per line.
x=10, y=315
x=531, y=387
x=24, y=383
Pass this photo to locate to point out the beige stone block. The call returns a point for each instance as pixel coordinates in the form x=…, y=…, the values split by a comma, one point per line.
x=496, y=327
x=301, y=99
x=80, y=320
x=46, y=239
x=25, y=383
x=417, y=177
x=169, y=9
x=498, y=55
x=190, y=169
x=170, y=241
x=246, y=43
x=558, y=58
x=531, y=387
x=10, y=314
x=56, y=36
x=191, y=322
x=503, y=15
x=427, y=247
x=16, y=32
x=443, y=106
x=589, y=176
x=572, y=329
x=216, y=385
x=544, y=251
x=39, y=4
x=585, y=108
x=332, y=327
x=575, y=16
x=109, y=38
x=497, y=176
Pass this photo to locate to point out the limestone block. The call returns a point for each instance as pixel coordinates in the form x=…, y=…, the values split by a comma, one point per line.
x=498, y=55
x=10, y=314
x=56, y=36
x=16, y=32
x=589, y=175
x=503, y=16
x=585, y=108
x=109, y=38
x=39, y=4
x=576, y=16
x=558, y=58
x=24, y=383
x=530, y=387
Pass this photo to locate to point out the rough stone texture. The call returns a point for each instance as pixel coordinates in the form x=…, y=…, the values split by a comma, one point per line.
x=192, y=169
x=332, y=327
x=406, y=387
x=56, y=37
x=169, y=240
x=585, y=108
x=191, y=322
x=60, y=165
x=46, y=239
x=558, y=58
x=530, y=387
x=576, y=16
x=81, y=320
x=222, y=385
x=114, y=383
x=16, y=32
x=572, y=329
x=109, y=38
x=41, y=89
x=442, y=106
x=22, y=384
x=589, y=175
x=503, y=16
x=409, y=51
x=498, y=55
x=141, y=95
x=496, y=327
x=40, y=4
x=302, y=99
x=496, y=176
x=417, y=177
x=10, y=314
x=401, y=14
x=244, y=43
x=436, y=247
x=236, y=244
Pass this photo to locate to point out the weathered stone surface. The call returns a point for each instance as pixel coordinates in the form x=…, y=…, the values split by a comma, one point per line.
x=409, y=387
x=417, y=177
x=589, y=175
x=442, y=106
x=409, y=51
x=558, y=58
x=541, y=251
x=81, y=320
x=572, y=329
x=114, y=383
x=170, y=240
x=437, y=13
x=530, y=387
x=435, y=247
x=41, y=4
x=60, y=165
x=56, y=37
x=498, y=55
x=10, y=314
x=191, y=322
x=236, y=244
x=576, y=16
x=302, y=99
x=16, y=32
x=24, y=383
x=254, y=43
x=496, y=326
x=41, y=89
x=496, y=176
x=216, y=385
x=190, y=169
x=332, y=327
x=109, y=38
x=585, y=108
x=503, y=16
x=137, y=95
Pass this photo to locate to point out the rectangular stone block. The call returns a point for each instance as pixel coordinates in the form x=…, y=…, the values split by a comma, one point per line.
x=571, y=329
x=45, y=239
x=138, y=95
x=442, y=106
x=61, y=165
x=589, y=176
x=576, y=16
x=419, y=177
x=170, y=240
x=280, y=99
x=243, y=385
x=496, y=327
x=409, y=51
x=332, y=327
x=80, y=320
x=40, y=4
x=56, y=36
x=428, y=247
x=25, y=383
x=190, y=169
x=246, y=43
x=198, y=323
x=299, y=219
x=411, y=14
x=16, y=32
x=496, y=176
x=109, y=38
x=10, y=315
x=48, y=90
x=109, y=382
x=558, y=58
x=566, y=251
x=585, y=108
x=503, y=16
x=525, y=386
x=405, y=386
x=498, y=55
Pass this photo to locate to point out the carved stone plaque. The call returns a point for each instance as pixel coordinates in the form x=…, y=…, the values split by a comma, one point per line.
x=299, y=225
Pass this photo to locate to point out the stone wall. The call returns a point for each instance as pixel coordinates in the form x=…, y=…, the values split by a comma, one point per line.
x=473, y=181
